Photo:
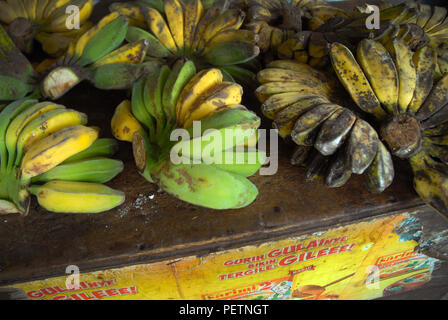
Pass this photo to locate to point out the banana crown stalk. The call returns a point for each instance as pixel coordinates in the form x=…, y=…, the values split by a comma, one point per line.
x=45, y=21
x=209, y=36
x=178, y=99
x=47, y=143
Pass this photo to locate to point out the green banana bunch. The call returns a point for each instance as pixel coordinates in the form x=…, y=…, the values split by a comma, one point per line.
x=44, y=142
x=211, y=37
x=195, y=169
x=16, y=72
x=44, y=21
x=97, y=56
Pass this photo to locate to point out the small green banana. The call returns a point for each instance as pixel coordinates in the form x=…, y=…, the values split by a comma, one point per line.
x=99, y=170
x=102, y=147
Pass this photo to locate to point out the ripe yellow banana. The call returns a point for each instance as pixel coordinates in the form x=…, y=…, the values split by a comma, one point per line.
x=354, y=80
x=46, y=124
x=283, y=75
x=266, y=90
x=275, y=103
x=407, y=74
x=77, y=197
x=160, y=29
x=425, y=61
x=192, y=15
x=131, y=11
x=21, y=121
x=195, y=88
x=175, y=17
x=302, y=68
x=218, y=97
x=381, y=72
x=50, y=151
x=130, y=53
x=231, y=35
x=229, y=19
x=436, y=99
x=123, y=123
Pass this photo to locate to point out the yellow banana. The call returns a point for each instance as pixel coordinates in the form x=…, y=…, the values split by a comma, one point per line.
x=425, y=62
x=298, y=67
x=354, y=80
x=46, y=124
x=219, y=97
x=407, y=75
x=48, y=152
x=231, y=35
x=275, y=103
x=21, y=121
x=264, y=91
x=130, y=53
x=229, y=19
x=123, y=123
x=160, y=29
x=195, y=88
x=283, y=75
x=436, y=99
x=76, y=197
x=380, y=69
x=175, y=17
x=210, y=15
x=56, y=22
x=193, y=14
x=131, y=11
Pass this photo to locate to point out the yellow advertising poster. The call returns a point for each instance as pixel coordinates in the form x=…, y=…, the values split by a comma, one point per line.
x=366, y=260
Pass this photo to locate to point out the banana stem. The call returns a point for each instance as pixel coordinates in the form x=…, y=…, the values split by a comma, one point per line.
x=10, y=188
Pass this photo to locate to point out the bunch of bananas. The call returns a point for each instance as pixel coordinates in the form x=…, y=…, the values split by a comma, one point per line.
x=333, y=142
x=418, y=24
x=210, y=38
x=433, y=20
x=99, y=57
x=47, y=150
x=44, y=21
x=169, y=99
x=395, y=85
x=289, y=29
